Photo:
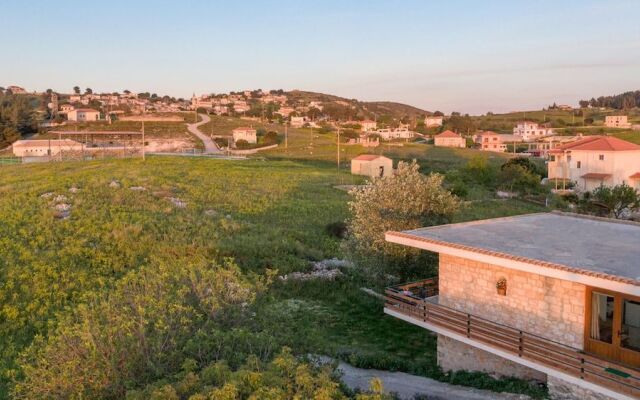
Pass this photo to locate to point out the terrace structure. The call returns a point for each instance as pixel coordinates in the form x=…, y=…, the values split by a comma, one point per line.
x=528, y=130
x=553, y=297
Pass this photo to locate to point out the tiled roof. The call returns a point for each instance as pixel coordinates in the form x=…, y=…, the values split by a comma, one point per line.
x=448, y=134
x=599, y=143
x=595, y=175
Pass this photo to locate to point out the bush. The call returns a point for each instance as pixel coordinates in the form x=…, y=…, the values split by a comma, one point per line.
x=242, y=144
x=270, y=137
x=336, y=229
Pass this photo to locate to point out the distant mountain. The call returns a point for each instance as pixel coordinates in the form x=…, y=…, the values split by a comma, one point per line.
x=341, y=108
x=618, y=101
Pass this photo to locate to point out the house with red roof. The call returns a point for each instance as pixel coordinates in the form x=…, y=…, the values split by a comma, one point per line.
x=372, y=165
x=449, y=139
x=596, y=161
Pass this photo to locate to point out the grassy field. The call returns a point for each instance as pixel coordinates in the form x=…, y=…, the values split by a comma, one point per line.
x=263, y=213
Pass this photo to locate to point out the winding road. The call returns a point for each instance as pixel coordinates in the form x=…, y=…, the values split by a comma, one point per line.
x=210, y=146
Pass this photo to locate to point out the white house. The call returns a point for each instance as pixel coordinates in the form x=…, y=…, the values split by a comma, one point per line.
x=449, y=139
x=368, y=125
x=41, y=147
x=529, y=130
x=372, y=165
x=298, y=122
x=83, y=115
x=245, y=133
x=65, y=108
x=396, y=133
x=596, y=161
x=617, y=121
x=433, y=121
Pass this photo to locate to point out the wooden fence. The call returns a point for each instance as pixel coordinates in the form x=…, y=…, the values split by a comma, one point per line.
x=408, y=299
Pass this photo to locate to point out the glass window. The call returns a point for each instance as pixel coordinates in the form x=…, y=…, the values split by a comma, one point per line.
x=578, y=164
x=601, y=157
x=630, y=333
x=602, y=317
x=568, y=158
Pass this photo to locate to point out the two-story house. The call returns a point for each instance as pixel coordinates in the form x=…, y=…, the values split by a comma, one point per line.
x=552, y=297
x=245, y=133
x=617, y=121
x=490, y=141
x=528, y=130
x=595, y=161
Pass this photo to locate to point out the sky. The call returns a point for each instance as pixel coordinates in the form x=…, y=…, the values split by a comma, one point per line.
x=467, y=56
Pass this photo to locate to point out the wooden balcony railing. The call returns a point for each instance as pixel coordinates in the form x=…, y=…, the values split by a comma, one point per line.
x=412, y=300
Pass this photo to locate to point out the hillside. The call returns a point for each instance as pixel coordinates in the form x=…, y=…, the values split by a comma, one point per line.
x=620, y=101
x=365, y=109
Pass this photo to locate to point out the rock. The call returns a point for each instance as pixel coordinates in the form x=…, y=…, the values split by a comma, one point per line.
x=325, y=269
x=211, y=213
x=177, y=202
x=114, y=184
x=46, y=195
x=74, y=189
x=137, y=188
x=62, y=210
x=60, y=198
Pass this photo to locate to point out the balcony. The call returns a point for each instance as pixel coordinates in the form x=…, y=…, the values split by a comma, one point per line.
x=417, y=302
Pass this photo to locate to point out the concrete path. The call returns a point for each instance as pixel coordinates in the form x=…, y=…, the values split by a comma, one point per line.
x=210, y=146
x=407, y=386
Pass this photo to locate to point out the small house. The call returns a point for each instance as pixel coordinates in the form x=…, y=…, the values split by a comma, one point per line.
x=449, y=139
x=83, y=115
x=245, y=133
x=371, y=165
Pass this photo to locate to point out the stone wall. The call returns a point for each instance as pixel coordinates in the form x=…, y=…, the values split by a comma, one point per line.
x=563, y=390
x=548, y=307
x=454, y=356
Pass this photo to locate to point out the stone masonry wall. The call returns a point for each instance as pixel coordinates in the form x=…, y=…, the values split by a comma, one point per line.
x=454, y=356
x=548, y=307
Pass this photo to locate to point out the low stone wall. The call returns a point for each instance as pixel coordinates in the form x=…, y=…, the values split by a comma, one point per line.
x=152, y=118
x=563, y=390
x=252, y=151
x=456, y=356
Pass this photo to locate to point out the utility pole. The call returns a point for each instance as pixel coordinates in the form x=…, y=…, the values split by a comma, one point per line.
x=143, y=155
x=338, y=150
x=286, y=136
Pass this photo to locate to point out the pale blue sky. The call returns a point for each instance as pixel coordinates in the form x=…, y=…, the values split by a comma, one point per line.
x=469, y=56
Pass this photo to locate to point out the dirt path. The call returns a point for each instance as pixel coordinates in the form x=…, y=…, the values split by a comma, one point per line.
x=210, y=146
x=407, y=386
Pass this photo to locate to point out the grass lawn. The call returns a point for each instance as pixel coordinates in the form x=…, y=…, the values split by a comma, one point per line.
x=263, y=213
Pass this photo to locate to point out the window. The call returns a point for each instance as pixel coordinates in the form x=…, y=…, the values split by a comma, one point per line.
x=602, y=317
x=601, y=157
x=552, y=158
x=578, y=164
x=568, y=159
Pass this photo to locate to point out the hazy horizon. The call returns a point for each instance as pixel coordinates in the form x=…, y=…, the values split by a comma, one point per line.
x=460, y=56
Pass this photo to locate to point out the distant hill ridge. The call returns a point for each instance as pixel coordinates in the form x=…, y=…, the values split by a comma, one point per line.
x=367, y=109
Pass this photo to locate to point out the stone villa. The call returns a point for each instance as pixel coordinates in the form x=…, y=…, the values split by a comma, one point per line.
x=371, y=165
x=551, y=297
x=449, y=139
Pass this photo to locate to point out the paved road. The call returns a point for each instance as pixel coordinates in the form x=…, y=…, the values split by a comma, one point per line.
x=210, y=146
x=407, y=386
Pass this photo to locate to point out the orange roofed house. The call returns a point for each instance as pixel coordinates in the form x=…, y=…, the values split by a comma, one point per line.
x=490, y=141
x=552, y=297
x=371, y=165
x=449, y=139
x=595, y=161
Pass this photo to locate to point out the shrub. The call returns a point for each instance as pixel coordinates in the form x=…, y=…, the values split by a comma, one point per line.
x=242, y=144
x=336, y=229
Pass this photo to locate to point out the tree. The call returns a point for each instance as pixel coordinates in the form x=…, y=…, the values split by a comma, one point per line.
x=526, y=163
x=617, y=200
x=515, y=177
x=408, y=200
x=88, y=91
x=126, y=91
x=584, y=103
x=76, y=89
x=242, y=144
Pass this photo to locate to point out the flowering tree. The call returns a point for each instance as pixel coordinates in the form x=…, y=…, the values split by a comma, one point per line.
x=408, y=200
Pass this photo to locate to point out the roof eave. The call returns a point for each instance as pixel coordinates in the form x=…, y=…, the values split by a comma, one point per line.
x=525, y=264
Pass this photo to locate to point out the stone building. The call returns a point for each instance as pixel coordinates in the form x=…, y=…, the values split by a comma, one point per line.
x=551, y=297
x=449, y=139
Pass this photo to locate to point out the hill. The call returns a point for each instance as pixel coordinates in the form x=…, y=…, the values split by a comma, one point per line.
x=620, y=101
x=363, y=109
